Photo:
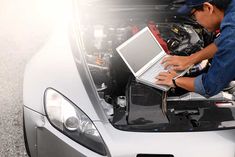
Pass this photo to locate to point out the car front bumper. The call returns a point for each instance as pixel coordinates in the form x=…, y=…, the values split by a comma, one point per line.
x=46, y=141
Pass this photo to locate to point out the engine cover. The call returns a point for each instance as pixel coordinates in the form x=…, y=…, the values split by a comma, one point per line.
x=144, y=105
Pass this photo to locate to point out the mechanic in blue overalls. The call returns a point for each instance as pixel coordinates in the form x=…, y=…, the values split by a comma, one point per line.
x=212, y=15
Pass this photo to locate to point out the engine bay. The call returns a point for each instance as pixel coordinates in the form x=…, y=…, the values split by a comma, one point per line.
x=133, y=106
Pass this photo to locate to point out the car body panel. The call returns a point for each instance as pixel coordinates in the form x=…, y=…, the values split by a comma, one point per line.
x=54, y=67
x=45, y=141
x=181, y=144
x=51, y=142
x=30, y=119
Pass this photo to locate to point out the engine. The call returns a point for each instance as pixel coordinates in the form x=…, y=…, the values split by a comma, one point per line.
x=131, y=105
x=109, y=72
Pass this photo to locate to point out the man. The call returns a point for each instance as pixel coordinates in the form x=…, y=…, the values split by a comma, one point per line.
x=213, y=15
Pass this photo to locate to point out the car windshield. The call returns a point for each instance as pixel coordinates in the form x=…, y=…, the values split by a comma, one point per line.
x=134, y=106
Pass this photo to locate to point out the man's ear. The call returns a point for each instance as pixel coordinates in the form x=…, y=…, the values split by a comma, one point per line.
x=208, y=7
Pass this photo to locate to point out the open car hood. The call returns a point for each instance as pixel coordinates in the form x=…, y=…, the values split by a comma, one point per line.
x=128, y=104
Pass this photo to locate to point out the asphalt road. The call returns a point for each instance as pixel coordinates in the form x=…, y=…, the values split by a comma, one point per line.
x=24, y=26
x=11, y=74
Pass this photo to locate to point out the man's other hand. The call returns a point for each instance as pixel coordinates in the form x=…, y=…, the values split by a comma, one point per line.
x=165, y=78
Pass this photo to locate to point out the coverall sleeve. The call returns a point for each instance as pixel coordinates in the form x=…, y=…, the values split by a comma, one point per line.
x=222, y=70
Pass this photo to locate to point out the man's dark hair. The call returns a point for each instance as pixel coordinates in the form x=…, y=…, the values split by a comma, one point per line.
x=220, y=4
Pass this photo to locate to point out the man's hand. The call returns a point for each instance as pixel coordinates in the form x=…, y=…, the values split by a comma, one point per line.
x=177, y=63
x=165, y=78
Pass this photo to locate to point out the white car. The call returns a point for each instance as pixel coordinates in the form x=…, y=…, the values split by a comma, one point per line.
x=80, y=99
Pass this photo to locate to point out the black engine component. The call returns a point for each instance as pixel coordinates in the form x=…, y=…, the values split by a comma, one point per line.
x=185, y=40
x=173, y=43
x=180, y=31
x=144, y=105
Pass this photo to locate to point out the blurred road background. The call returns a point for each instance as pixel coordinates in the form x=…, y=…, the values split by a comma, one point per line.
x=24, y=28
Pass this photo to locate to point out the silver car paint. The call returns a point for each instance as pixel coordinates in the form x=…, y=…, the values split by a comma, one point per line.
x=54, y=67
x=185, y=144
x=45, y=141
x=51, y=142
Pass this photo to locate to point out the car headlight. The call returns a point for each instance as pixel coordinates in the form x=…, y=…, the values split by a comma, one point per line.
x=71, y=121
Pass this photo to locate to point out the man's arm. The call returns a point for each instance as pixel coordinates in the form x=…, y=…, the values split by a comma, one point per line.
x=206, y=53
x=186, y=83
x=191, y=84
x=183, y=62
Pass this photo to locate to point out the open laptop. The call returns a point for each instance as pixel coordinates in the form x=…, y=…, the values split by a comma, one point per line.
x=143, y=54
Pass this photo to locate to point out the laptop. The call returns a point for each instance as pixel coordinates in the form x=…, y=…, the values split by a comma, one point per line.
x=143, y=54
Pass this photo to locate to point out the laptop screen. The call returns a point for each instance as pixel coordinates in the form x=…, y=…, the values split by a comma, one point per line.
x=141, y=49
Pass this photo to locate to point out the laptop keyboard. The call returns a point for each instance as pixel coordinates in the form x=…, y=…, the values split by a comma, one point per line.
x=152, y=72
